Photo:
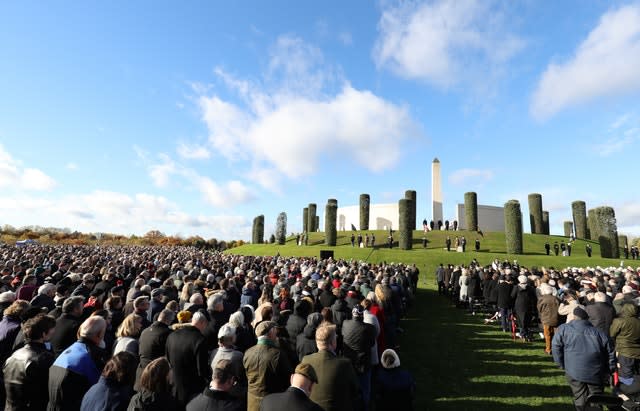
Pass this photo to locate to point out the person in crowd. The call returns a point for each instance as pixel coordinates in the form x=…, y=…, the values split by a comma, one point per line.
x=569, y=304
x=84, y=289
x=217, y=396
x=128, y=334
x=226, y=351
x=67, y=325
x=114, y=389
x=306, y=341
x=78, y=367
x=296, y=397
x=154, y=388
x=266, y=366
x=245, y=335
x=298, y=320
x=26, y=371
x=395, y=387
x=187, y=354
x=141, y=307
x=586, y=354
x=337, y=388
x=358, y=340
x=44, y=299
x=153, y=341
x=10, y=327
x=548, y=306
x=625, y=332
x=601, y=312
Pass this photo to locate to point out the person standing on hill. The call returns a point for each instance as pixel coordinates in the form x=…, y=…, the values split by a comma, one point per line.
x=586, y=354
x=448, y=243
x=477, y=245
x=556, y=248
x=547, y=247
x=588, y=250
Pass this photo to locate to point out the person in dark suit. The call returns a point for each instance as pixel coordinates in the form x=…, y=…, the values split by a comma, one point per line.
x=296, y=398
x=187, y=354
x=153, y=341
x=337, y=388
x=217, y=396
x=67, y=325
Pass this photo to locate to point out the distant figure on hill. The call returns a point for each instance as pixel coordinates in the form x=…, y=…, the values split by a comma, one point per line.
x=556, y=248
x=547, y=247
x=477, y=245
x=353, y=240
x=391, y=241
x=373, y=240
x=448, y=243
x=588, y=250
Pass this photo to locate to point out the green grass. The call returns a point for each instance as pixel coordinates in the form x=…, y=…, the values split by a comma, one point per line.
x=459, y=362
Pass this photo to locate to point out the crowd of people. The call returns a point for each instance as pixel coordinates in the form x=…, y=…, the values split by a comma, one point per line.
x=588, y=317
x=175, y=328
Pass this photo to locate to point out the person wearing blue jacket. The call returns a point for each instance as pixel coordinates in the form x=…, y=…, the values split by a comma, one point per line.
x=78, y=367
x=586, y=354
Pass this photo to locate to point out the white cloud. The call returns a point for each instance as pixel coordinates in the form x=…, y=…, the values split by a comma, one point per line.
x=71, y=166
x=161, y=172
x=194, y=152
x=226, y=195
x=294, y=120
x=466, y=175
x=621, y=135
x=604, y=64
x=14, y=175
x=445, y=42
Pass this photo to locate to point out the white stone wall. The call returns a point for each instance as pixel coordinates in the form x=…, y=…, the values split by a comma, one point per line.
x=381, y=217
x=490, y=218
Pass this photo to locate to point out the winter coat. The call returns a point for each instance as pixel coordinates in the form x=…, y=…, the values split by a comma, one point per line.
x=66, y=333
x=187, y=354
x=107, y=395
x=268, y=371
x=151, y=345
x=327, y=298
x=463, y=284
x=548, y=310
x=524, y=297
x=72, y=374
x=358, y=339
x=625, y=331
x=26, y=374
x=583, y=351
x=504, y=299
x=293, y=399
x=306, y=342
x=9, y=328
x=395, y=389
x=152, y=401
x=340, y=313
x=211, y=400
x=337, y=388
x=601, y=315
x=295, y=325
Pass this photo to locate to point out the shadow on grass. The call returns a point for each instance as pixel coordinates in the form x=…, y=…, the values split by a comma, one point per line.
x=461, y=363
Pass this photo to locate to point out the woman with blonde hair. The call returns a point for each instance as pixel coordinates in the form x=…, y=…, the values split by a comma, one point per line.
x=128, y=334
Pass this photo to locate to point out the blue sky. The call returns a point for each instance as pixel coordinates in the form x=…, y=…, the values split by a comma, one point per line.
x=193, y=118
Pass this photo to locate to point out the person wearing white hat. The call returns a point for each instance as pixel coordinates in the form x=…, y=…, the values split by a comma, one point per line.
x=396, y=387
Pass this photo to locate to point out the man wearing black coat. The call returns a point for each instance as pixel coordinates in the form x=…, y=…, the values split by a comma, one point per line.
x=298, y=320
x=601, y=313
x=26, y=372
x=67, y=324
x=504, y=301
x=153, y=341
x=216, y=396
x=296, y=398
x=358, y=338
x=187, y=353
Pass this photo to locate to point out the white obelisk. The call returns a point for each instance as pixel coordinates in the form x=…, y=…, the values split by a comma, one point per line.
x=436, y=192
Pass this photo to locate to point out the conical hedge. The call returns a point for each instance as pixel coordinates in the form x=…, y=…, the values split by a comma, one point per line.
x=365, y=203
x=311, y=219
x=330, y=223
x=405, y=231
x=579, y=212
x=471, y=211
x=535, y=213
x=513, y=227
x=568, y=228
x=412, y=195
x=545, y=222
x=281, y=228
x=604, y=224
x=305, y=219
x=257, y=236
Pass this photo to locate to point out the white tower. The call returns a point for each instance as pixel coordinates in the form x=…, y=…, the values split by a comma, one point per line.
x=436, y=192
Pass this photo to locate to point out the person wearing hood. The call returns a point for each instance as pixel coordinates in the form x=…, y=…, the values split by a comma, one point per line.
x=586, y=354
x=625, y=331
x=601, y=313
x=548, y=306
x=298, y=320
x=306, y=341
x=395, y=387
x=524, y=297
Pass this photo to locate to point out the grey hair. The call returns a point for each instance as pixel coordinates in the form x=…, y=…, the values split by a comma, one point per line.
x=92, y=327
x=166, y=316
x=198, y=317
x=236, y=319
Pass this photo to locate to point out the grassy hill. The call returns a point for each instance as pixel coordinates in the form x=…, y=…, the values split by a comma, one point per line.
x=459, y=362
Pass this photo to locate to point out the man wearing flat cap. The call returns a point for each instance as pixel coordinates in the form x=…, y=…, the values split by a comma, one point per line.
x=586, y=354
x=296, y=398
x=266, y=366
